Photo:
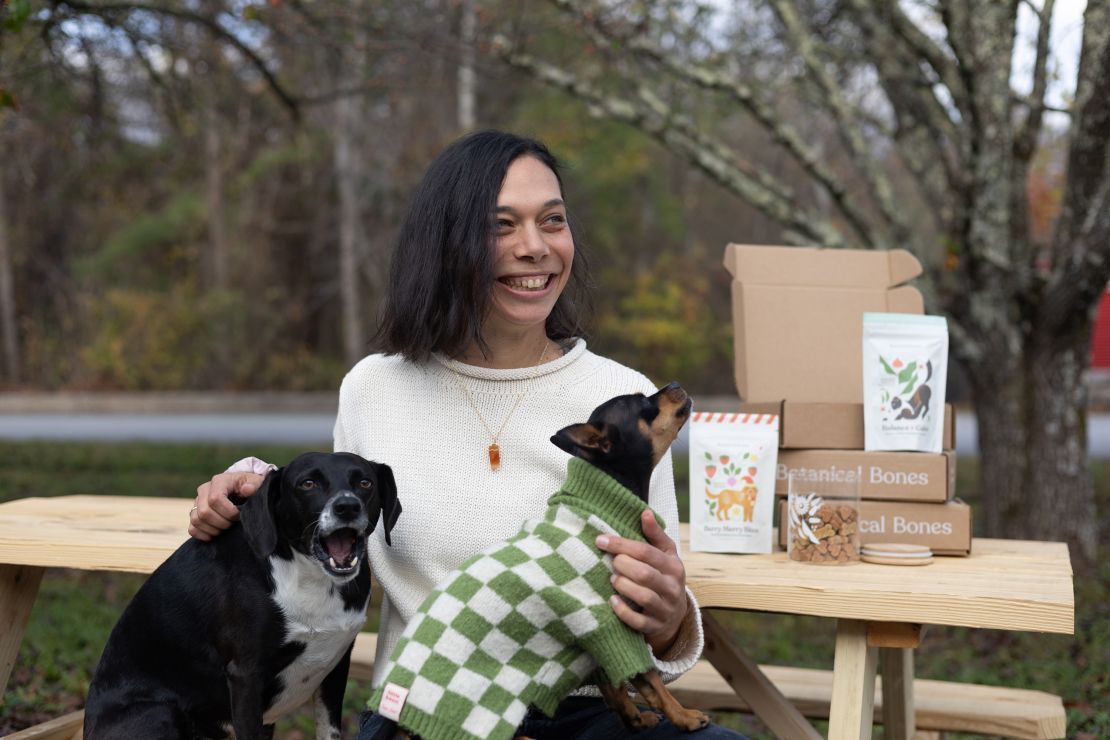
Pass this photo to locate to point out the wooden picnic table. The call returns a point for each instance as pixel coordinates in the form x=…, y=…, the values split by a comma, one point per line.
x=879, y=610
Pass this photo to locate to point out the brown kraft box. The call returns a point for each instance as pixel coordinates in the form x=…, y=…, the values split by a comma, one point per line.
x=944, y=528
x=828, y=426
x=884, y=476
x=797, y=316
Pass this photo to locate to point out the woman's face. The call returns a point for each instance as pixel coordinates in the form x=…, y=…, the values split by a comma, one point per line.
x=533, y=247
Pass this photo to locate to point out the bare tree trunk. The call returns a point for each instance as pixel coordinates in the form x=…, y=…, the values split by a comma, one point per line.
x=216, y=264
x=1060, y=495
x=215, y=270
x=1034, y=478
x=8, y=326
x=214, y=261
x=348, y=158
x=468, y=33
x=1001, y=398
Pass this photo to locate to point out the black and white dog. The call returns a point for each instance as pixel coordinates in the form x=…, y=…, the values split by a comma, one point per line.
x=233, y=633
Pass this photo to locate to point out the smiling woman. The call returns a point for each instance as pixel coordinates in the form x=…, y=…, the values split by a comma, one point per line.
x=451, y=292
x=534, y=252
x=481, y=359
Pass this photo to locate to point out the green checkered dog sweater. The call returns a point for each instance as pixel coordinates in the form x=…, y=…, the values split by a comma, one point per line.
x=523, y=623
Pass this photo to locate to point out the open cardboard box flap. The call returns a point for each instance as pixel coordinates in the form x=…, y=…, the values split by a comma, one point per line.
x=798, y=317
x=817, y=267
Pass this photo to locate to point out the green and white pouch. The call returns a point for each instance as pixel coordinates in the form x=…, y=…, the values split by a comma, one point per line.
x=905, y=371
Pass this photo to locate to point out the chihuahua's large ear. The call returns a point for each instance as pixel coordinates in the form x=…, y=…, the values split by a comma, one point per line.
x=387, y=496
x=258, y=515
x=582, y=440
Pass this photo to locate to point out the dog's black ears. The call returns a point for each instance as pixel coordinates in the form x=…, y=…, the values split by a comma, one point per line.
x=584, y=440
x=258, y=516
x=387, y=497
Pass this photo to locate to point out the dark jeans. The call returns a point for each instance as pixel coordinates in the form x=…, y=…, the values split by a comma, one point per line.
x=582, y=717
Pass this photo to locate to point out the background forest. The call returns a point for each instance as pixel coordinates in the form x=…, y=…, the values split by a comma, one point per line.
x=202, y=194
x=170, y=210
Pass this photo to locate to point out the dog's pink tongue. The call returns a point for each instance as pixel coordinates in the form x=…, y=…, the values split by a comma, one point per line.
x=340, y=545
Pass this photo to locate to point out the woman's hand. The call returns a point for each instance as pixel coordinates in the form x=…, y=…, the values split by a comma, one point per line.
x=652, y=576
x=213, y=512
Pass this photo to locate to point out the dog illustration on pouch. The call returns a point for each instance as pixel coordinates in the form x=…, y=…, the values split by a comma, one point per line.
x=527, y=621
x=917, y=404
x=727, y=498
x=233, y=633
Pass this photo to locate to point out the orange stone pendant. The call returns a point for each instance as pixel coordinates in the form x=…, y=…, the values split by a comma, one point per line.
x=494, y=457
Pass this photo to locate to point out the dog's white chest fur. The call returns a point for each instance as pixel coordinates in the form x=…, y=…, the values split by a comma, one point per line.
x=314, y=615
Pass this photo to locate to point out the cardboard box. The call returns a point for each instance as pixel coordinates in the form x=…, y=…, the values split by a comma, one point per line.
x=883, y=476
x=829, y=426
x=945, y=528
x=797, y=315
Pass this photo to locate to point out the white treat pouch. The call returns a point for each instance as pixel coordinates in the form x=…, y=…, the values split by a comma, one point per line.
x=905, y=370
x=732, y=481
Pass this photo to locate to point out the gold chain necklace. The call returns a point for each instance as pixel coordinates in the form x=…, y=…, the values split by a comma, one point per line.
x=494, y=449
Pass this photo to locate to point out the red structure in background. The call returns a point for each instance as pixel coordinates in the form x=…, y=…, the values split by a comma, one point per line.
x=1100, y=341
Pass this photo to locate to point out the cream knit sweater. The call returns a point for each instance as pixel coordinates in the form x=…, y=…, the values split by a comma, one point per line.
x=415, y=418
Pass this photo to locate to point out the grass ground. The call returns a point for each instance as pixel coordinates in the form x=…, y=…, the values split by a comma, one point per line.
x=76, y=610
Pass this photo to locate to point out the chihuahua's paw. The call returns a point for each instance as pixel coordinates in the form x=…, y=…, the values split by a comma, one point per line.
x=690, y=720
x=645, y=720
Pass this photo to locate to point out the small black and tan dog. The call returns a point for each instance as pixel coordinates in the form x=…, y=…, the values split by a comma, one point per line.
x=233, y=633
x=626, y=437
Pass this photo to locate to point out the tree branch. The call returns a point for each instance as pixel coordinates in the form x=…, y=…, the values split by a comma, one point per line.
x=915, y=104
x=901, y=67
x=1036, y=11
x=956, y=24
x=983, y=43
x=652, y=116
x=136, y=40
x=214, y=27
x=1083, y=230
x=877, y=183
x=1025, y=141
x=1028, y=102
x=914, y=141
x=713, y=80
x=925, y=48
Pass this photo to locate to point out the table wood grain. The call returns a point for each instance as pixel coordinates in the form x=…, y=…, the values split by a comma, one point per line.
x=1003, y=584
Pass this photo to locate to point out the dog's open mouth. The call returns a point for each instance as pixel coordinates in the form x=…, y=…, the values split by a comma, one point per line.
x=339, y=551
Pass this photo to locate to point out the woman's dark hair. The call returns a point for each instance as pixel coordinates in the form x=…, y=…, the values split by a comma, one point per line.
x=442, y=270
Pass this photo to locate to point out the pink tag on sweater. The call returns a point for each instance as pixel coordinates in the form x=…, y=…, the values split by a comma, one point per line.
x=393, y=701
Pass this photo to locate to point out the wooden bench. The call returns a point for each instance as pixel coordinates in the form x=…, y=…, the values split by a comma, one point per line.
x=66, y=727
x=940, y=706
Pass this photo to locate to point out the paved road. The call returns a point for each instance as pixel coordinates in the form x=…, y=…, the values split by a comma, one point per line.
x=293, y=429
x=314, y=429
